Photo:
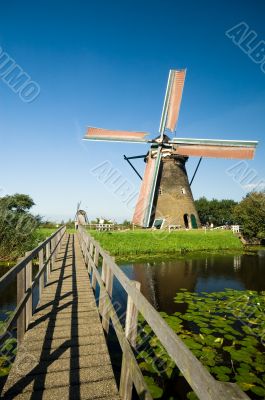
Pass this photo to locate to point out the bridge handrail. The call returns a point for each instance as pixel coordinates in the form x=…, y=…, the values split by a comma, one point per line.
x=46, y=252
x=199, y=378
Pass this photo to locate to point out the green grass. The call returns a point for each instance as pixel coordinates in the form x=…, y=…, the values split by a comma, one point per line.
x=139, y=243
x=42, y=233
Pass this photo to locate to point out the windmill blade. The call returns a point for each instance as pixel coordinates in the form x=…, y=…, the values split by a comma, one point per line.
x=216, y=148
x=144, y=206
x=115, y=136
x=172, y=100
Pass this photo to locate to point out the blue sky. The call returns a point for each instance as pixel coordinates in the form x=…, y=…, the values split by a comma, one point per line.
x=105, y=63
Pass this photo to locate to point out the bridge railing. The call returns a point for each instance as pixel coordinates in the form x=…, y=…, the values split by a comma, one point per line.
x=201, y=381
x=22, y=272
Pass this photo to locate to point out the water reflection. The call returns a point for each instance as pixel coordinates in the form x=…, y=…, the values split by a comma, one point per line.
x=9, y=294
x=161, y=280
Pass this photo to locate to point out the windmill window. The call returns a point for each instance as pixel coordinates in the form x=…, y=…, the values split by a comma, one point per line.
x=183, y=190
x=160, y=191
x=158, y=223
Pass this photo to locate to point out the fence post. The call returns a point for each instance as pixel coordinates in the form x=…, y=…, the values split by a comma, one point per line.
x=60, y=234
x=101, y=294
x=94, y=279
x=47, y=255
x=52, y=252
x=105, y=311
x=21, y=321
x=41, y=281
x=28, y=286
x=56, y=243
x=90, y=250
x=126, y=383
x=85, y=250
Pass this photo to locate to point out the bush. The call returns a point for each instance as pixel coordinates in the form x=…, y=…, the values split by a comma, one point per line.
x=250, y=213
x=17, y=226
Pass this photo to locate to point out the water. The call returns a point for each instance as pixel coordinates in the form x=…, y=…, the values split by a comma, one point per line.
x=8, y=296
x=160, y=280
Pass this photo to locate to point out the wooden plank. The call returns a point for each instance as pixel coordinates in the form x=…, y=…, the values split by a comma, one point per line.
x=91, y=250
x=101, y=294
x=52, y=249
x=86, y=245
x=28, y=288
x=109, y=288
x=47, y=256
x=94, y=279
x=21, y=321
x=126, y=383
x=132, y=318
x=41, y=280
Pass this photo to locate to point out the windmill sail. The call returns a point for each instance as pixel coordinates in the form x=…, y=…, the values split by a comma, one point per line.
x=166, y=161
x=115, y=136
x=144, y=206
x=216, y=148
x=172, y=100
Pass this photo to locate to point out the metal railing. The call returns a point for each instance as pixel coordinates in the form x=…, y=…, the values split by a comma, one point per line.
x=45, y=253
x=199, y=378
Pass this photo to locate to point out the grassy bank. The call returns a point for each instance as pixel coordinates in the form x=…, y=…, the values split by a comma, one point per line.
x=139, y=243
x=43, y=233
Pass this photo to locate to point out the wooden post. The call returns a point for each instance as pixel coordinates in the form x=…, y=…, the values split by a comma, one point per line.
x=53, y=255
x=83, y=240
x=56, y=242
x=86, y=248
x=91, y=248
x=48, y=268
x=28, y=286
x=101, y=295
x=94, y=279
x=60, y=239
x=85, y=243
x=132, y=318
x=21, y=321
x=126, y=383
x=105, y=312
x=41, y=281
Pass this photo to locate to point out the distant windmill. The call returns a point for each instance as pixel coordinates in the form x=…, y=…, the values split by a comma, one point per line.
x=165, y=196
x=80, y=216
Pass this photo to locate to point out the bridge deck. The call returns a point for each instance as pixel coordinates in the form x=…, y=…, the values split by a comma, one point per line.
x=64, y=353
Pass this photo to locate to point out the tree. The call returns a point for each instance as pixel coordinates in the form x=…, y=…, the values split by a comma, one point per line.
x=17, y=202
x=127, y=223
x=250, y=213
x=17, y=226
x=218, y=212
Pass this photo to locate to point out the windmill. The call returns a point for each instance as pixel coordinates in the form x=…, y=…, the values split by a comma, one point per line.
x=165, y=196
x=80, y=216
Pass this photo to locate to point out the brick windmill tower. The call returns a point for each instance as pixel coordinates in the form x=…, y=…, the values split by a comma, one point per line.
x=165, y=196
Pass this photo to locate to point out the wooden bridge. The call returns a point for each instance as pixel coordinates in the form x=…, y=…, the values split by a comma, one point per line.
x=62, y=348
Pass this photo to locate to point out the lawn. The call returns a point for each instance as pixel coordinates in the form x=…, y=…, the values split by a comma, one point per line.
x=42, y=233
x=128, y=244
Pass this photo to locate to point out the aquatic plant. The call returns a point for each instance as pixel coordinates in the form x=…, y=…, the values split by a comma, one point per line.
x=224, y=330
